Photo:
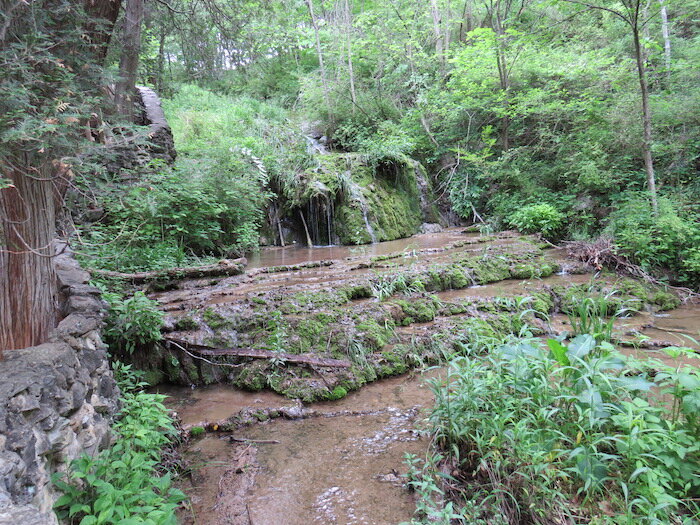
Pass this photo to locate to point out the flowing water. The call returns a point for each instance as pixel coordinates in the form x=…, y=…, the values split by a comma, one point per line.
x=344, y=464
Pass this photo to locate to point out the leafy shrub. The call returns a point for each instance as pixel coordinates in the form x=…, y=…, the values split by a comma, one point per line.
x=538, y=218
x=529, y=429
x=668, y=241
x=124, y=484
x=132, y=321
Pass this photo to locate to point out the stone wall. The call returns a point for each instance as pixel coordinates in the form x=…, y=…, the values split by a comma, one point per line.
x=56, y=401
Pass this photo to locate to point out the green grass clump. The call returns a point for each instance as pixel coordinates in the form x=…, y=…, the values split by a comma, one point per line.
x=531, y=428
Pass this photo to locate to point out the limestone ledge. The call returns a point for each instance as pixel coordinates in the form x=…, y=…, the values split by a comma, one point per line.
x=57, y=401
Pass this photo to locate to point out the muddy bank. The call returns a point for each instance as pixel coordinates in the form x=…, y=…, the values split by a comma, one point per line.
x=334, y=468
x=270, y=452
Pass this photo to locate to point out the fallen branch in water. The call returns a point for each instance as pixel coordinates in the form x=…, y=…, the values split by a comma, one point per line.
x=260, y=354
x=254, y=441
x=223, y=267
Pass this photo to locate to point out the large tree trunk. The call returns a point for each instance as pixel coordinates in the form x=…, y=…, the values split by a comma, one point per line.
x=27, y=278
x=29, y=191
x=102, y=14
x=129, y=62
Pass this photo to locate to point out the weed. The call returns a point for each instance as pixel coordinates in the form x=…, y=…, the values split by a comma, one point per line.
x=528, y=429
x=124, y=484
x=131, y=321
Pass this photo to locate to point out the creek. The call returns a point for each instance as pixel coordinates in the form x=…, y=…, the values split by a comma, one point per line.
x=342, y=462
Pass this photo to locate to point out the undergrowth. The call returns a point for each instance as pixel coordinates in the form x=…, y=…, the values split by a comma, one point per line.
x=124, y=484
x=562, y=433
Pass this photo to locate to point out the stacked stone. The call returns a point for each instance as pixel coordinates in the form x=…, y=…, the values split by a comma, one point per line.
x=57, y=401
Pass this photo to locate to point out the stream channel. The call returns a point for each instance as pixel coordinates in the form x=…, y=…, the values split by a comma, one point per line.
x=341, y=462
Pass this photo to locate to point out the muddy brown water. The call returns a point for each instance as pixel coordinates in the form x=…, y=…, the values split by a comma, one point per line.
x=344, y=466
x=291, y=255
x=340, y=469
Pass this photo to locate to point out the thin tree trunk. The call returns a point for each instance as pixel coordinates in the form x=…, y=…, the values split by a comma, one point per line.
x=447, y=28
x=27, y=276
x=667, y=40
x=348, y=39
x=503, y=76
x=646, y=118
x=435, y=11
x=319, y=51
x=129, y=62
x=161, y=61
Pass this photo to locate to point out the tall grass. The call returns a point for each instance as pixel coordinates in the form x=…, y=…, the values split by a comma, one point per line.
x=562, y=433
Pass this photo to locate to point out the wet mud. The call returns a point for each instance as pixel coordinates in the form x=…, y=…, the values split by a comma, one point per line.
x=265, y=458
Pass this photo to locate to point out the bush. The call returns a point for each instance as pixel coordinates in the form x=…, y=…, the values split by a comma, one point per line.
x=530, y=429
x=538, y=218
x=668, y=241
x=124, y=484
x=132, y=321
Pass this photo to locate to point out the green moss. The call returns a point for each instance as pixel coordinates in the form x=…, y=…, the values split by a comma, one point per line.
x=215, y=320
x=363, y=291
x=542, y=303
x=665, y=300
x=458, y=278
x=185, y=324
x=252, y=377
x=307, y=334
x=490, y=269
x=261, y=415
x=373, y=334
x=530, y=270
x=422, y=310
x=257, y=300
x=196, y=431
x=338, y=392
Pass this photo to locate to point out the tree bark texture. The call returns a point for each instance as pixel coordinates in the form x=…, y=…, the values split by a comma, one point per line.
x=28, y=306
x=129, y=61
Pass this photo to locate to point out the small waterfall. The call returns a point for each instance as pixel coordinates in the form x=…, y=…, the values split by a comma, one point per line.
x=315, y=146
x=356, y=195
x=370, y=230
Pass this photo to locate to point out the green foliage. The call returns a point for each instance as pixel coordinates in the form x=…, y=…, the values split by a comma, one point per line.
x=538, y=218
x=667, y=241
x=132, y=321
x=386, y=285
x=124, y=484
x=595, y=314
x=528, y=427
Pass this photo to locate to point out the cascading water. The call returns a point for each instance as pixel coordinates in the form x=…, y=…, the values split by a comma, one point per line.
x=356, y=195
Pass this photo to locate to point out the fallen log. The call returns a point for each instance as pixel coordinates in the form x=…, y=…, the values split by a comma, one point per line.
x=254, y=353
x=223, y=267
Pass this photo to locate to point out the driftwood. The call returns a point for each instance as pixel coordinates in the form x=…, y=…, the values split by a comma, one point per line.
x=603, y=253
x=223, y=267
x=209, y=351
x=254, y=441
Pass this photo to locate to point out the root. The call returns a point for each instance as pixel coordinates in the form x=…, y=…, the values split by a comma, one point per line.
x=602, y=253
